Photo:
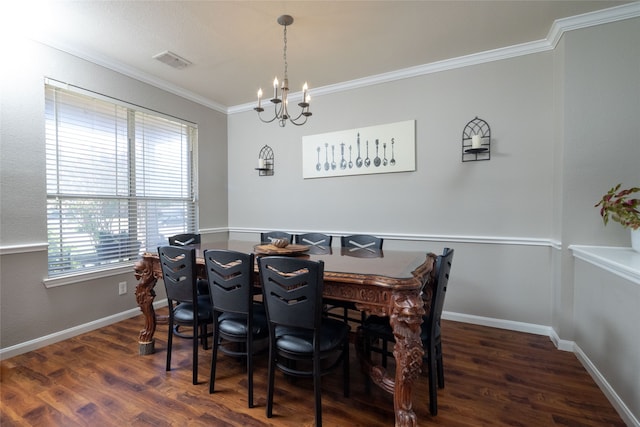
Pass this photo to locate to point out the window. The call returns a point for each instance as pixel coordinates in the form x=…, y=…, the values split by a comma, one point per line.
x=120, y=179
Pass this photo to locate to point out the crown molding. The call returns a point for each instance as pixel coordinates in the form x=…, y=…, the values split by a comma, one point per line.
x=559, y=27
x=133, y=73
x=605, y=16
x=418, y=70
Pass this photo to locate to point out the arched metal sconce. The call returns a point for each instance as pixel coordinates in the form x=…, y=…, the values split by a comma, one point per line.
x=265, y=161
x=476, y=141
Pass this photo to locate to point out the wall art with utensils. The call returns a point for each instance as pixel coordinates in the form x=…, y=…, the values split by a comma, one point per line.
x=374, y=149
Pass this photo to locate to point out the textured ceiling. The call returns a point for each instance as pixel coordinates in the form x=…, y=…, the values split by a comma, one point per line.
x=236, y=46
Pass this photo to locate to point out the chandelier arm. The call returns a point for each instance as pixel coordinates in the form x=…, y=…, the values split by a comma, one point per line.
x=277, y=113
x=299, y=124
x=294, y=121
x=266, y=121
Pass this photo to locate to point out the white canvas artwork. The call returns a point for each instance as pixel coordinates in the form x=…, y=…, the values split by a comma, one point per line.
x=374, y=149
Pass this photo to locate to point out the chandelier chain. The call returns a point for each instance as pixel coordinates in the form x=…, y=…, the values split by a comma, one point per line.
x=284, y=55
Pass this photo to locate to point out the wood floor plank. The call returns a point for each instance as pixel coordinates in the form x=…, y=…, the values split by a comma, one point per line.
x=493, y=378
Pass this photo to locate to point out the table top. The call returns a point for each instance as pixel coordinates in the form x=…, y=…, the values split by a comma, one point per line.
x=357, y=263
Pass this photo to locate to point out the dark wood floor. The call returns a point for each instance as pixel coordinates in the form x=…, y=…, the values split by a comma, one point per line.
x=493, y=378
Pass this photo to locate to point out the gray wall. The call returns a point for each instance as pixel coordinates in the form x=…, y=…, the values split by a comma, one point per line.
x=507, y=196
x=598, y=102
x=600, y=110
x=497, y=214
x=28, y=310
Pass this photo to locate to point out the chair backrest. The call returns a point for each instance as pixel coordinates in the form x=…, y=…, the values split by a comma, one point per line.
x=292, y=291
x=184, y=239
x=179, y=272
x=267, y=236
x=314, y=239
x=230, y=275
x=361, y=241
x=442, y=271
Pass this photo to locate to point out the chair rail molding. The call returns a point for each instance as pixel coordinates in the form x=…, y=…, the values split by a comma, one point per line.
x=23, y=248
x=497, y=240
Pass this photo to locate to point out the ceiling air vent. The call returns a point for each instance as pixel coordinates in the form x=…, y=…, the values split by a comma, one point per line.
x=172, y=60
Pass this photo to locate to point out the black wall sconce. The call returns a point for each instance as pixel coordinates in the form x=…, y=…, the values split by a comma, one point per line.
x=265, y=161
x=476, y=141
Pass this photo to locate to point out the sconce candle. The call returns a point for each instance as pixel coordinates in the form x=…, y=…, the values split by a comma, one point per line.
x=259, y=97
x=475, y=141
x=261, y=164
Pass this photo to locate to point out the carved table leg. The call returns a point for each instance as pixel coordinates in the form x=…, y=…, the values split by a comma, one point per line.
x=406, y=317
x=144, y=297
x=406, y=310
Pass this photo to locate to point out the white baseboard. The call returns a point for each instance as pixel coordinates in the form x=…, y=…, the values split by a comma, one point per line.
x=622, y=409
x=564, y=345
x=530, y=328
x=37, y=343
x=511, y=325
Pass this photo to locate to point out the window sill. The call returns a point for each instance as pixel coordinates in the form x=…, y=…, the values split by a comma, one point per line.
x=71, y=279
x=623, y=262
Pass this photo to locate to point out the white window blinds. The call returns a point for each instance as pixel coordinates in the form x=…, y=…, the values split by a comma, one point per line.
x=119, y=180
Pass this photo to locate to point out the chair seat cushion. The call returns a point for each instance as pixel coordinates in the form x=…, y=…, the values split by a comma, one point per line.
x=183, y=312
x=236, y=324
x=295, y=340
x=378, y=326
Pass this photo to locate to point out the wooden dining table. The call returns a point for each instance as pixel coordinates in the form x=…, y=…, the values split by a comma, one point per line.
x=389, y=283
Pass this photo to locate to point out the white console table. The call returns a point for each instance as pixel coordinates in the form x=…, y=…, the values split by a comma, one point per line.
x=624, y=262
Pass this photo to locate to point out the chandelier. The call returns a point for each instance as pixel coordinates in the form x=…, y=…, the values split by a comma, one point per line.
x=280, y=100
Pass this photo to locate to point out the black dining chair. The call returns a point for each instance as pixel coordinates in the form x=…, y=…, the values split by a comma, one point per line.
x=361, y=242
x=314, y=239
x=238, y=321
x=364, y=245
x=203, y=287
x=317, y=243
x=298, y=332
x=377, y=329
x=184, y=239
x=186, y=307
x=268, y=236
